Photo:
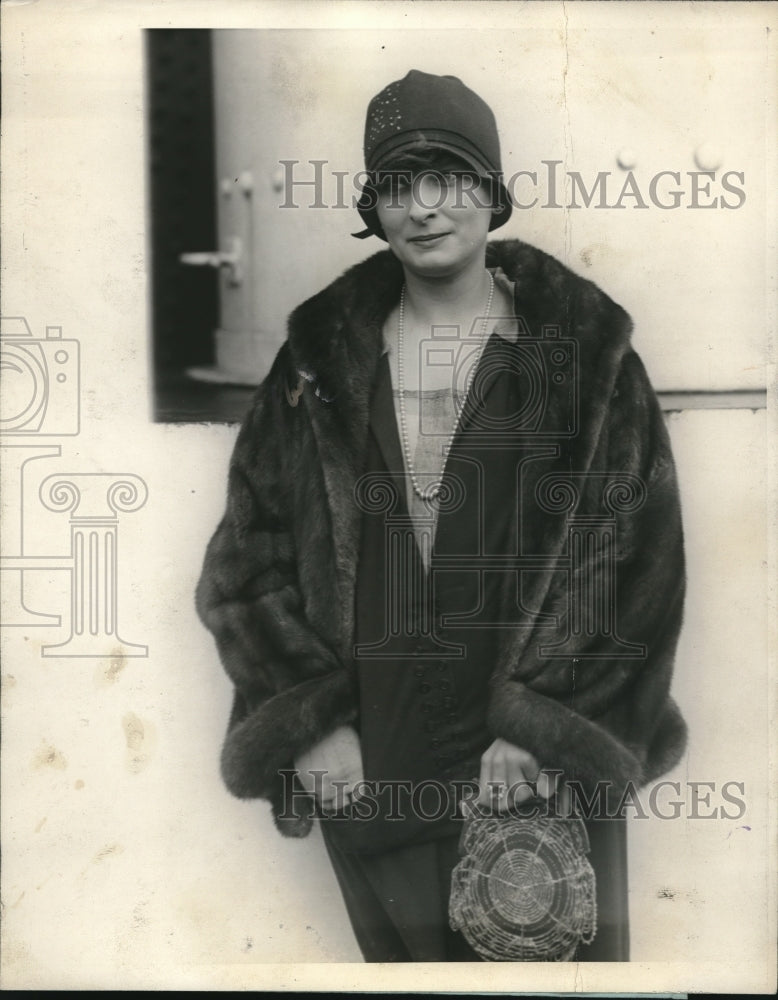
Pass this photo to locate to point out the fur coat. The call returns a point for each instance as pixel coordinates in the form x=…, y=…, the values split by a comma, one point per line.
x=277, y=585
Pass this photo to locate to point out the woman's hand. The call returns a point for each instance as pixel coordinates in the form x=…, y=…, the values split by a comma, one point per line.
x=339, y=757
x=510, y=776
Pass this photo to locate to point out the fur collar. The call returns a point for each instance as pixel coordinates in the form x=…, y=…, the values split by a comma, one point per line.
x=335, y=336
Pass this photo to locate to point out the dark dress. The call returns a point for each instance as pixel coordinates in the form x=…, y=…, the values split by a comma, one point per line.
x=424, y=685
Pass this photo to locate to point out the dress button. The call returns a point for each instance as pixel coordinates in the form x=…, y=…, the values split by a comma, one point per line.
x=419, y=670
x=427, y=707
x=445, y=685
x=425, y=688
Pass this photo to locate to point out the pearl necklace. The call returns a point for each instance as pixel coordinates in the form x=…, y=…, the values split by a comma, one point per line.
x=431, y=492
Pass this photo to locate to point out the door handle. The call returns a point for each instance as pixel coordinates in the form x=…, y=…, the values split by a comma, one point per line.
x=230, y=261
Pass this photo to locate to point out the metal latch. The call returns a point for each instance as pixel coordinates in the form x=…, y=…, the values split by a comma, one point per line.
x=228, y=260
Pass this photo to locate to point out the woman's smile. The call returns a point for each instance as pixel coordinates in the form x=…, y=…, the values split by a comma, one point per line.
x=428, y=240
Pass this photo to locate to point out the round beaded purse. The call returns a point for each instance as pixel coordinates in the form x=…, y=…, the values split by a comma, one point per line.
x=524, y=890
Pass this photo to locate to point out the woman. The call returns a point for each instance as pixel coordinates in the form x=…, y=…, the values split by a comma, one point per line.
x=454, y=457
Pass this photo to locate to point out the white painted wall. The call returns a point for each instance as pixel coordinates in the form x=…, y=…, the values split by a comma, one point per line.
x=125, y=863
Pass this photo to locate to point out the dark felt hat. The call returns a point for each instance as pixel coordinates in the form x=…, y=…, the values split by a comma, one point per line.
x=423, y=110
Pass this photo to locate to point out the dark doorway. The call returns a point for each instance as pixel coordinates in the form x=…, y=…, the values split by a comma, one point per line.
x=185, y=300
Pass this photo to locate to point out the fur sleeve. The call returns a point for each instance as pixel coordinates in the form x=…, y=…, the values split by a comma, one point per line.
x=291, y=688
x=610, y=718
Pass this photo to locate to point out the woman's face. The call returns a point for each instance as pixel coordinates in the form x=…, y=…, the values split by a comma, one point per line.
x=436, y=220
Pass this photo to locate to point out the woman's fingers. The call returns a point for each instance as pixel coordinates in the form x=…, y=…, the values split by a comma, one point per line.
x=331, y=767
x=549, y=783
x=494, y=780
x=310, y=779
x=507, y=776
x=485, y=778
x=521, y=774
x=338, y=801
x=564, y=800
x=510, y=776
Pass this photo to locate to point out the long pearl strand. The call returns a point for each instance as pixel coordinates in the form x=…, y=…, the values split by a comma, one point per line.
x=432, y=491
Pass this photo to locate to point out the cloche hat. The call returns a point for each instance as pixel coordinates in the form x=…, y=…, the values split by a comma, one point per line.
x=431, y=112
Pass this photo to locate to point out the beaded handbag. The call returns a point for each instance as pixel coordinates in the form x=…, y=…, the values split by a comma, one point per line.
x=524, y=890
